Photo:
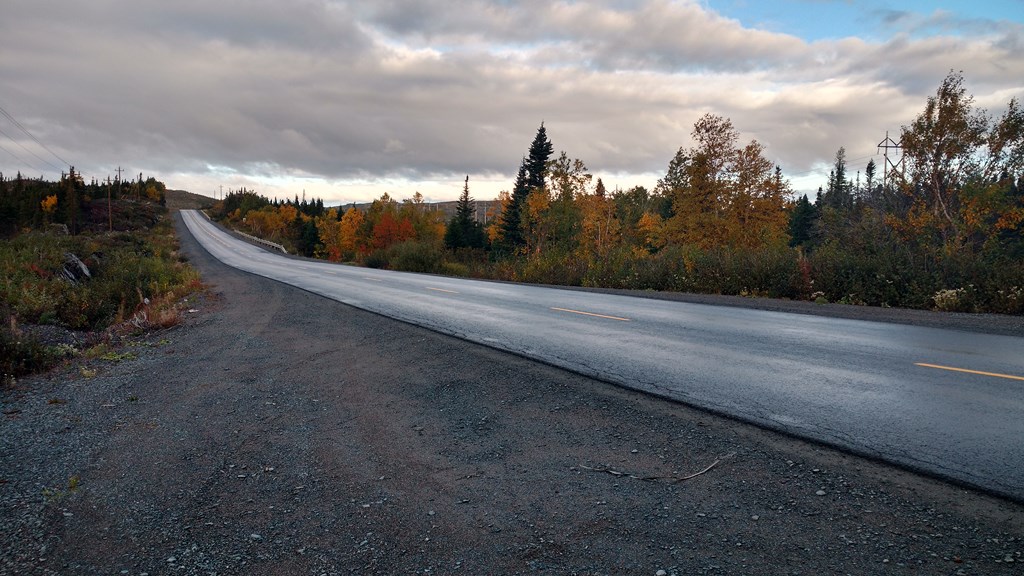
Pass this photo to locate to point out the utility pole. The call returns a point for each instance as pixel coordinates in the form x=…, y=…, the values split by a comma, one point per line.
x=119, y=170
x=110, y=211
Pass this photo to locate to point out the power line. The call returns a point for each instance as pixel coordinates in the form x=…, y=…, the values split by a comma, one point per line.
x=16, y=157
x=21, y=160
x=50, y=164
x=14, y=121
x=818, y=170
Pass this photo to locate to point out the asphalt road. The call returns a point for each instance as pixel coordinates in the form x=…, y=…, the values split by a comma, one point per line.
x=943, y=402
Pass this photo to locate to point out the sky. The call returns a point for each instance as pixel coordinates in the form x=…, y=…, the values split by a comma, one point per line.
x=347, y=100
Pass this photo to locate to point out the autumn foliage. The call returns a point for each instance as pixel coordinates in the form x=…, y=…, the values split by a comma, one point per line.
x=941, y=229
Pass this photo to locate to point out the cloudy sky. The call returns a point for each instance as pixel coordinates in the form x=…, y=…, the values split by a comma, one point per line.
x=350, y=99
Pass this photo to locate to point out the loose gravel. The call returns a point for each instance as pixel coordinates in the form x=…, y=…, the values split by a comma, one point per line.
x=276, y=432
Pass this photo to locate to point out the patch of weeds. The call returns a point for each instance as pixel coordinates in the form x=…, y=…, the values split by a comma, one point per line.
x=21, y=354
x=54, y=495
x=157, y=344
x=65, y=350
x=104, y=351
x=133, y=398
x=97, y=351
x=87, y=372
x=116, y=357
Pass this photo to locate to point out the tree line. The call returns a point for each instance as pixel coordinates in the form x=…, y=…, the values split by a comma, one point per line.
x=941, y=228
x=71, y=203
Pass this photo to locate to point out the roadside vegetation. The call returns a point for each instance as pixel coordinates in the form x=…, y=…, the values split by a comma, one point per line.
x=77, y=271
x=940, y=225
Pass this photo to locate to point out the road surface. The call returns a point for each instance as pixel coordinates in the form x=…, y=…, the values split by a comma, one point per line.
x=943, y=402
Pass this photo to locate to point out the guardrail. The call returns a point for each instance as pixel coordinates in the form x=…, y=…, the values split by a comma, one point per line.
x=268, y=243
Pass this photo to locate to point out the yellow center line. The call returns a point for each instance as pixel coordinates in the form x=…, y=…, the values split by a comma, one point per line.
x=441, y=290
x=372, y=279
x=591, y=314
x=978, y=372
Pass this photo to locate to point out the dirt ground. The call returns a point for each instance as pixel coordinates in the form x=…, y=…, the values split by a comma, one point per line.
x=277, y=432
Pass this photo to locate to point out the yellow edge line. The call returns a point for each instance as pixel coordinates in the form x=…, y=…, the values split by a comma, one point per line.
x=950, y=368
x=441, y=290
x=371, y=279
x=591, y=314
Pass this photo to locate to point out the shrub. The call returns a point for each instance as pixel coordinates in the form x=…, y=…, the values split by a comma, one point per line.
x=1008, y=301
x=21, y=354
x=955, y=300
x=413, y=256
x=454, y=269
x=376, y=259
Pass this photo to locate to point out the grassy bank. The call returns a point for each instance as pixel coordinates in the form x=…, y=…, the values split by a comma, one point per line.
x=136, y=282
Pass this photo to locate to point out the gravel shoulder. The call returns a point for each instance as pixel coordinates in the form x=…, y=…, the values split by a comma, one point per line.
x=276, y=432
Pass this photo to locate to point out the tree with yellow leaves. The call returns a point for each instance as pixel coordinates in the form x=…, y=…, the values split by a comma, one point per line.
x=329, y=230
x=961, y=168
x=599, y=228
x=349, y=241
x=49, y=206
x=724, y=195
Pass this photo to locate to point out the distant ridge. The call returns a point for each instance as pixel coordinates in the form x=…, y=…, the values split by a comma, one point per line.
x=447, y=208
x=182, y=200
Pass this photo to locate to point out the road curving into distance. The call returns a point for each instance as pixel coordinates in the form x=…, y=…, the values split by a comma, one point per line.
x=943, y=402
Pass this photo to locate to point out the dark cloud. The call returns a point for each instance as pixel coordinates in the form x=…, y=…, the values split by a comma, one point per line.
x=430, y=89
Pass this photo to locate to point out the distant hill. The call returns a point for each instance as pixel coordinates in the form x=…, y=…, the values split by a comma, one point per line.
x=182, y=200
x=447, y=208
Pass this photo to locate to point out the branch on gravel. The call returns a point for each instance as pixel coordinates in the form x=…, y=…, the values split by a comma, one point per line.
x=652, y=478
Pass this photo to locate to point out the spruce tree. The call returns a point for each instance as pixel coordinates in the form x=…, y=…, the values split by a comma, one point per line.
x=511, y=232
x=801, y=222
x=839, y=194
x=537, y=162
x=463, y=230
x=533, y=171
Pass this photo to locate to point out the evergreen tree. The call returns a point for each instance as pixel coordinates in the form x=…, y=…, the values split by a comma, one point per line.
x=537, y=162
x=533, y=171
x=511, y=216
x=839, y=194
x=676, y=178
x=801, y=222
x=463, y=230
x=308, y=238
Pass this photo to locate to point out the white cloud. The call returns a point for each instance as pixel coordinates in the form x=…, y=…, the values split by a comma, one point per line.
x=352, y=98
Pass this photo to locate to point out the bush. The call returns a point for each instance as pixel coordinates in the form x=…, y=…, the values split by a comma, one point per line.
x=376, y=259
x=20, y=354
x=454, y=269
x=553, y=267
x=413, y=256
x=1008, y=301
x=956, y=300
